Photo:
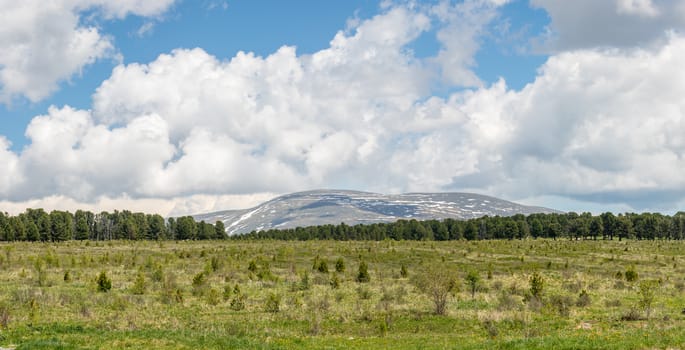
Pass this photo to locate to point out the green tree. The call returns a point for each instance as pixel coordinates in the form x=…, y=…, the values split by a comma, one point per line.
x=438, y=283
x=472, y=280
x=62, y=226
x=219, y=230
x=81, y=230
x=363, y=274
x=537, y=285
x=186, y=228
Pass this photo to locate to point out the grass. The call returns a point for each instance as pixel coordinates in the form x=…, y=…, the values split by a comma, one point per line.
x=254, y=295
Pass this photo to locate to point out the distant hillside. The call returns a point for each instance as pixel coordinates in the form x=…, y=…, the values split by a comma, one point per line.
x=322, y=207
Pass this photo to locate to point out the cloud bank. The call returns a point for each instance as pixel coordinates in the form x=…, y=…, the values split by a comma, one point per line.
x=603, y=121
x=47, y=42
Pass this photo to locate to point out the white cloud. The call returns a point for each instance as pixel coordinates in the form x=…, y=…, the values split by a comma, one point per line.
x=45, y=43
x=582, y=24
x=176, y=206
x=465, y=23
x=643, y=8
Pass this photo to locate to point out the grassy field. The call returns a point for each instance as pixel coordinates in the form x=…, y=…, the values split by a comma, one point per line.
x=271, y=295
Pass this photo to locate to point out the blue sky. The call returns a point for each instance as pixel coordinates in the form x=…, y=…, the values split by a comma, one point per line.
x=151, y=105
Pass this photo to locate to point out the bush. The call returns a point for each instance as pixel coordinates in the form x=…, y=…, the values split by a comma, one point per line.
x=438, y=283
x=537, y=284
x=4, y=315
x=335, y=281
x=647, y=293
x=213, y=297
x=583, y=299
x=323, y=267
x=340, y=265
x=562, y=305
x=403, y=271
x=139, y=284
x=238, y=302
x=472, y=280
x=252, y=266
x=631, y=274
x=272, y=303
x=363, y=275
x=364, y=293
x=104, y=284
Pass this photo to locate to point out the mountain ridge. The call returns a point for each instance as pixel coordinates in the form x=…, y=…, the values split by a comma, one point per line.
x=324, y=206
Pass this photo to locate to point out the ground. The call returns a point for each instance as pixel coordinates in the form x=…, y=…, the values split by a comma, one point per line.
x=272, y=295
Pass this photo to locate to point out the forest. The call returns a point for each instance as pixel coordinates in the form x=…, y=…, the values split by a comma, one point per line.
x=39, y=225
x=56, y=226
x=645, y=226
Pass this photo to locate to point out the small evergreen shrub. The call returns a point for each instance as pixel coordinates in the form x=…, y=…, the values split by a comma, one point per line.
x=631, y=274
x=363, y=274
x=104, y=284
x=340, y=265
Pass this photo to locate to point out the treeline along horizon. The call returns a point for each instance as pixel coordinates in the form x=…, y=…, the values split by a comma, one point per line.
x=39, y=225
x=644, y=226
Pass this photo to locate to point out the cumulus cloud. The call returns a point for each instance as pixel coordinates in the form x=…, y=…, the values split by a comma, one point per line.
x=45, y=43
x=604, y=125
x=581, y=24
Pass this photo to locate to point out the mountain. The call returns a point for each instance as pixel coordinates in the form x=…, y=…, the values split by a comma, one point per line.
x=322, y=207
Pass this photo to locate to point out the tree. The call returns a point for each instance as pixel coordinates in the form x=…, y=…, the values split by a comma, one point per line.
x=363, y=274
x=186, y=228
x=156, y=229
x=438, y=283
x=472, y=280
x=104, y=284
x=536, y=229
x=596, y=227
x=537, y=284
x=219, y=230
x=62, y=226
x=81, y=230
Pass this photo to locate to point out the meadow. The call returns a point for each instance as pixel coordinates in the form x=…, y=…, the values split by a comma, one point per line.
x=507, y=294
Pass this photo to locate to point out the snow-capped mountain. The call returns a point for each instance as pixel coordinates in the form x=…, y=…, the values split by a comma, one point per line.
x=322, y=207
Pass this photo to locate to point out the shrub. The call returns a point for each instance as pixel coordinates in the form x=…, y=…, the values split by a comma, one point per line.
x=562, y=305
x=4, y=315
x=238, y=302
x=67, y=276
x=631, y=274
x=363, y=274
x=213, y=297
x=340, y=265
x=583, y=299
x=252, y=266
x=272, y=303
x=647, y=293
x=139, y=284
x=104, y=284
x=472, y=280
x=323, y=267
x=537, y=284
x=438, y=283
x=227, y=292
x=335, y=281
x=364, y=293
x=403, y=271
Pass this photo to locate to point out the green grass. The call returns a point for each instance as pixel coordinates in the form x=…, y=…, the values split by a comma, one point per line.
x=178, y=295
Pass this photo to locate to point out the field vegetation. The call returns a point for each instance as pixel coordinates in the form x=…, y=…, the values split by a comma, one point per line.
x=217, y=294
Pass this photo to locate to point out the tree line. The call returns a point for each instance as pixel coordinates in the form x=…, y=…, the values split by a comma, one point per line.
x=645, y=226
x=39, y=225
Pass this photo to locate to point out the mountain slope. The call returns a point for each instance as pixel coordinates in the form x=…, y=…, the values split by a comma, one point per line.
x=351, y=207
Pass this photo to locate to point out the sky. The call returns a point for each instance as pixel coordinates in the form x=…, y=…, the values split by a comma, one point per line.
x=179, y=107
